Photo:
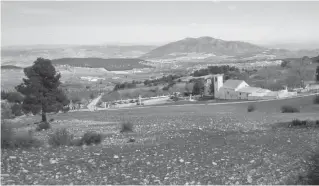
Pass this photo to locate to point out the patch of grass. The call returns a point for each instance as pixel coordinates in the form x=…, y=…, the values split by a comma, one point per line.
x=43, y=126
x=11, y=139
x=289, y=109
x=90, y=138
x=61, y=137
x=251, y=108
x=126, y=126
x=316, y=99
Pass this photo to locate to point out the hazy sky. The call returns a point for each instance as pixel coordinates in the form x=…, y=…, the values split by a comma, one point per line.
x=28, y=23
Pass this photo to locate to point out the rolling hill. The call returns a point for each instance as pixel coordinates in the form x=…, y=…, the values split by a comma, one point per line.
x=111, y=64
x=208, y=48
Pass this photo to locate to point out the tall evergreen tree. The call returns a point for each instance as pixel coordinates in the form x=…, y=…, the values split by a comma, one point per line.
x=41, y=89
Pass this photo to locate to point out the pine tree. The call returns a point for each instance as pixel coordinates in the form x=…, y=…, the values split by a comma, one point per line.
x=41, y=89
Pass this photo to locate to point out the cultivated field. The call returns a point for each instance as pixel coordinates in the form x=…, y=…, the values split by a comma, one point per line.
x=198, y=144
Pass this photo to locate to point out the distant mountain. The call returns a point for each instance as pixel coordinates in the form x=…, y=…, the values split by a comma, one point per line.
x=10, y=67
x=205, y=45
x=208, y=48
x=111, y=64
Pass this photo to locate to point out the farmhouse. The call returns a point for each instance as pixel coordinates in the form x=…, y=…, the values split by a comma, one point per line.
x=240, y=90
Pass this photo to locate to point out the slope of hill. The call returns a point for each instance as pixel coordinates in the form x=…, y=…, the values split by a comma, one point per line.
x=208, y=48
x=25, y=55
x=112, y=64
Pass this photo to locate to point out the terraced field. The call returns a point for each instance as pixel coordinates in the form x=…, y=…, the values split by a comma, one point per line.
x=198, y=144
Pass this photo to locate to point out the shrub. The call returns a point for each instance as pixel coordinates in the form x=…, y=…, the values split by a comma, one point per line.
x=251, y=108
x=289, y=109
x=91, y=137
x=126, y=127
x=6, y=112
x=16, y=109
x=51, y=120
x=61, y=137
x=10, y=139
x=316, y=99
x=65, y=109
x=43, y=126
x=317, y=122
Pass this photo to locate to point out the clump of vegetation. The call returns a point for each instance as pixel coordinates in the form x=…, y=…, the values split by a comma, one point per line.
x=43, y=126
x=289, y=109
x=90, y=138
x=10, y=139
x=297, y=122
x=126, y=126
x=17, y=109
x=61, y=137
x=251, y=108
x=6, y=112
x=316, y=99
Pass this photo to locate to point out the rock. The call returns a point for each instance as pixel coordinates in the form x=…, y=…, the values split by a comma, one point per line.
x=131, y=140
x=249, y=179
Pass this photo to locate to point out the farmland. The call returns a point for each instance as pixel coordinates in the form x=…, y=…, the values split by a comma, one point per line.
x=197, y=144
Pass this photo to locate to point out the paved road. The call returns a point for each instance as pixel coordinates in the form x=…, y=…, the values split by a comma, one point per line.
x=95, y=101
x=91, y=106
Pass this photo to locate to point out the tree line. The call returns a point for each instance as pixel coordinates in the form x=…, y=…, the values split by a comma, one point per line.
x=224, y=69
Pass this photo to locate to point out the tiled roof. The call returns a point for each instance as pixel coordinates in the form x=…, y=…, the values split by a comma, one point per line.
x=232, y=84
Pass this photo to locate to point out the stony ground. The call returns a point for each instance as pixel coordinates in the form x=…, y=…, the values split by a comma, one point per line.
x=180, y=145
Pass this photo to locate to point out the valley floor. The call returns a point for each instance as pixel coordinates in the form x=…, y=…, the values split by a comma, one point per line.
x=195, y=144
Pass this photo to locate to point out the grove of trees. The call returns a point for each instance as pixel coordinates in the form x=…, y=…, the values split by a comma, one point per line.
x=224, y=69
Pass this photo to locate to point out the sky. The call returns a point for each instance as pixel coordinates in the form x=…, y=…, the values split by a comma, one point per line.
x=105, y=22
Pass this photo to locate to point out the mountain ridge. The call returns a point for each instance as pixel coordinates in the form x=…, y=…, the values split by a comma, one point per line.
x=207, y=45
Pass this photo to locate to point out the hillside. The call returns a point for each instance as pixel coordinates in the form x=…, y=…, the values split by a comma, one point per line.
x=24, y=56
x=10, y=67
x=208, y=48
x=112, y=64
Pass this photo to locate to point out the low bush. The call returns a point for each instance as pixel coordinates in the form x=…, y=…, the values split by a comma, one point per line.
x=61, y=137
x=126, y=126
x=6, y=112
x=43, y=126
x=297, y=122
x=11, y=139
x=289, y=109
x=316, y=99
x=251, y=108
x=90, y=138
x=16, y=109
x=65, y=109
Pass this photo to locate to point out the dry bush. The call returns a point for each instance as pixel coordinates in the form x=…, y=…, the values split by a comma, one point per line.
x=43, y=126
x=61, y=137
x=251, y=108
x=11, y=139
x=289, y=109
x=90, y=138
x=126, y=126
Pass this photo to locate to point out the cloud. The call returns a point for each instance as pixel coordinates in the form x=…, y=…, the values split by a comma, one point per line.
x=232, y=7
